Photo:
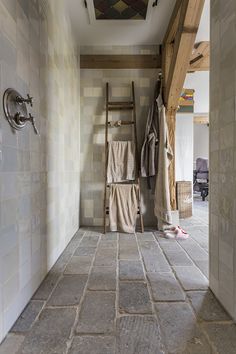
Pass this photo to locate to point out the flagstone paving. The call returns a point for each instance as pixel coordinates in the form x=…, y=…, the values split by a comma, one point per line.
x=126, y=294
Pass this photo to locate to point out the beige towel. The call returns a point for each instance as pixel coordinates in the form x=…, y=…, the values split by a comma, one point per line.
x=123, y=207
x=162, y=207
x=121, y=161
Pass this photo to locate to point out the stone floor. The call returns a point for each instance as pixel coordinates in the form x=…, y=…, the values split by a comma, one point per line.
x=127, y=294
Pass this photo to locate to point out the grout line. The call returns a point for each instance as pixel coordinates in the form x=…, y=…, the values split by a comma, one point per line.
x=45, y=301
x=187, y=301
x=79, y=306
x=151, y=297
x=188, y=255
x=62, y=273
x=117, y=288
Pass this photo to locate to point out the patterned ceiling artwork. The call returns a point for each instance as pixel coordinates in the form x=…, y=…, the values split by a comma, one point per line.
x=120, y=9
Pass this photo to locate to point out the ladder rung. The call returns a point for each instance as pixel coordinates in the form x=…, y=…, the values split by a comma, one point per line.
x=107, y=208
x=120, y=108
x=123, y=122
x=124, y=103
x=108, y=184
x=107, y=212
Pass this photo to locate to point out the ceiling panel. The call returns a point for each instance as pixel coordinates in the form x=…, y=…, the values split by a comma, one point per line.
x=120, y=9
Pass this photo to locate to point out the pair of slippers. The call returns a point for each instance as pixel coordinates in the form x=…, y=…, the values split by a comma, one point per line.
x=176, y=233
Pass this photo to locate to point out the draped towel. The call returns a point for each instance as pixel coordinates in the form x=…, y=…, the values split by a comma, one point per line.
x=121, y=161
x=123, y=207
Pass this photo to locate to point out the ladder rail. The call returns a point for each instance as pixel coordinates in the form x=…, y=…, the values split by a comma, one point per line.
x=106, y=158
x=137, y=158
x=119, y=106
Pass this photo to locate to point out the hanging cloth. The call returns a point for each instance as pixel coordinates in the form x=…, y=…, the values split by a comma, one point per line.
x=162, y=207
x=123, y=207
x=149, y=152
x=121, y=161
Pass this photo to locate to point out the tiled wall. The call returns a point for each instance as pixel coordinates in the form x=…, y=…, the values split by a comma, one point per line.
x=223, y=153
x=39, y=175
x=92, y=126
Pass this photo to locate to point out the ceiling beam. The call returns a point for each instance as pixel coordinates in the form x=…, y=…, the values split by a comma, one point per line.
x=120, y=61
x=199, y=60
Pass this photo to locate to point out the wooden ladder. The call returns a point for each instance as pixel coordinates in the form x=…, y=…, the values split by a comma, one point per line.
x=116, y=106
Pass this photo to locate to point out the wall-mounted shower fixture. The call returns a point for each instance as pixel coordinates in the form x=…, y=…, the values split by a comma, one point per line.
x=15, y=109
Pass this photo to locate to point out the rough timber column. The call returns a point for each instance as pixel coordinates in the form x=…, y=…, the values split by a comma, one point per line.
x=177, y=50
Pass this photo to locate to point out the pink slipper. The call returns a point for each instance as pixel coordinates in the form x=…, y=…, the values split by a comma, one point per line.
x=170, y=234
x=181, y=234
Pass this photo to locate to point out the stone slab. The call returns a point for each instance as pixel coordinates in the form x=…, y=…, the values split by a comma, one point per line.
x=156, y=263
x=138, y=335
x=204, y=267
x=28, y=316
x=93, y=345
x=181, y=335
x=109, y=236
x=107, y=244
x=50, y=333
x=223, y=337
x=79, y=265
x=11, y=344
x=134, y=298
x=128, y=250
x=207, y=307
x=46, y=287
x=61, y=263
x=72, y=245
x=196, y=252
x=85, y=251
x=97, y=314
x=89, y=241
x=149, y=248
x=191, y=278
x=145, y=236
x=102, y=278
x=106, y=257
x=68, y=291
x=165, y=287
x=130, y=270
x=177, y=258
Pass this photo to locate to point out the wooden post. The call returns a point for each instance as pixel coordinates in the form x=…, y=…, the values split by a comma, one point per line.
x=171, y=123
x=177, y=51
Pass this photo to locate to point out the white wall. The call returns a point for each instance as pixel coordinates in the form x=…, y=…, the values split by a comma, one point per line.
x=201, y=141
x=199, y=81
x=184, y=147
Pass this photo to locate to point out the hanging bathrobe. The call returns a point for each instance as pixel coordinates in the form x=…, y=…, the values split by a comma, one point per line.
x=162, y=208
x=149, y=153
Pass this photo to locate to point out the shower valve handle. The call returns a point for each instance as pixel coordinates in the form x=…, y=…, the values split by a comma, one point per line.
x=28, y=100
x=21, y=119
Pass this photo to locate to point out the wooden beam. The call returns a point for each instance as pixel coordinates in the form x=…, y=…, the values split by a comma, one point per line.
x=168, y=43
x=173, y=23
x=201, y=119
x=140, y=61
x=176, y=55
x=120, y=61
x=190, y=14
x=200, y=58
